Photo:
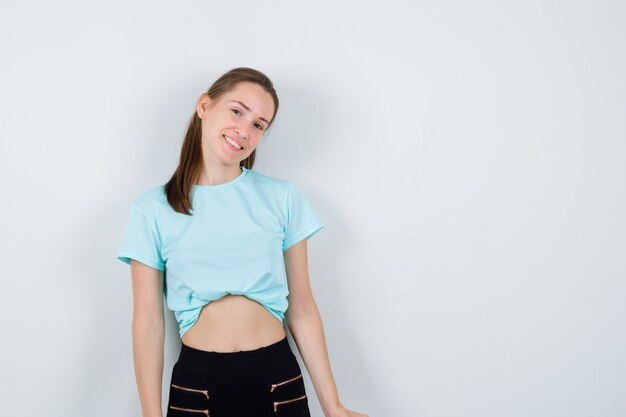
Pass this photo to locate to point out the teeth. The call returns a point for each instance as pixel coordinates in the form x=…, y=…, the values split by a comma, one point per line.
x=232, y=142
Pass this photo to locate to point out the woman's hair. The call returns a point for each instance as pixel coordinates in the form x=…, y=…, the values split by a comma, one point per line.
x=178, y=188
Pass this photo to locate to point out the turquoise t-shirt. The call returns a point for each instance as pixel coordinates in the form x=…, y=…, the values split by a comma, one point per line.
x=233, y=242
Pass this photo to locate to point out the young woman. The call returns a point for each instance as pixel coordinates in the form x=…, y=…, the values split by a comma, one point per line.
x=226, y=246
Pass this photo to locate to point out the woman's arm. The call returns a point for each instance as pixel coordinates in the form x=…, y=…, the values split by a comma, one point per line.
x=148, y=330
x=305, y=325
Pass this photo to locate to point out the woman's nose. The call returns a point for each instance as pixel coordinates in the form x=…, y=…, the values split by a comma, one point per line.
x=241, y=132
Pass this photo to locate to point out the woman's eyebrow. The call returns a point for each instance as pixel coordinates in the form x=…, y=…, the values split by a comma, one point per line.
x=248, y=108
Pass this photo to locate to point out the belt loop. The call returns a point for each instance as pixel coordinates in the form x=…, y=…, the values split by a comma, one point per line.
x=210, y=366
x=266, y=360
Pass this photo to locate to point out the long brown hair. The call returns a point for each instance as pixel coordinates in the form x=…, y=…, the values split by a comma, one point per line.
x=178, y=188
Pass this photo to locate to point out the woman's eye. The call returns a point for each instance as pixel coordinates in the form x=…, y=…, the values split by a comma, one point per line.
x=238, y=112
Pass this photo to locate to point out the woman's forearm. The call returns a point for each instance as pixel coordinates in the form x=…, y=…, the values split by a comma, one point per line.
x=308, y=333
x=148, y=346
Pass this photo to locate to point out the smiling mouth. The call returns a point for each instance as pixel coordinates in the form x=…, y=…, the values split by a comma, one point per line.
x=234, y=145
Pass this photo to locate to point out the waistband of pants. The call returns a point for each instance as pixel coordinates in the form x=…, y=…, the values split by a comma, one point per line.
x=256, y=361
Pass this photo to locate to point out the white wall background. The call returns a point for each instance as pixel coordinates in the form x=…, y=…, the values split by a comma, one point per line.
x=468, y=160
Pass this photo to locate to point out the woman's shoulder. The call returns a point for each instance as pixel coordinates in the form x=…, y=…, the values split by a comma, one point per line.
x=149, y=198
x=268, y=181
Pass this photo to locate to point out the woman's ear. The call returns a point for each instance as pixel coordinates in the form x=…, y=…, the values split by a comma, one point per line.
x=204, y=103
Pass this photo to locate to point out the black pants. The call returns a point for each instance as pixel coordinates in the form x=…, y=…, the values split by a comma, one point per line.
x=263, y=382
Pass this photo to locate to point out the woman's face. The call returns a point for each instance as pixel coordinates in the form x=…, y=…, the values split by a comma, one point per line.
x=241, y=115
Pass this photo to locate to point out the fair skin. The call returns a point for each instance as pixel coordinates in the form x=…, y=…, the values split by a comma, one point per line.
x=234, y=322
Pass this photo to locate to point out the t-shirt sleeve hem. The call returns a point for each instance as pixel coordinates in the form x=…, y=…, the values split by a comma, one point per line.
x=126, y=256
x=305, y=234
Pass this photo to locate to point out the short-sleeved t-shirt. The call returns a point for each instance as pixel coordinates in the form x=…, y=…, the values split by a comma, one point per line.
x=232, y=243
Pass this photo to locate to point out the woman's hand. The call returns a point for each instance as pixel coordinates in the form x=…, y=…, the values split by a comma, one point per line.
x=341, y=411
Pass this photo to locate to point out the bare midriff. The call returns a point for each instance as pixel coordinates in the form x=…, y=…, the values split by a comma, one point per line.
x=234, y=323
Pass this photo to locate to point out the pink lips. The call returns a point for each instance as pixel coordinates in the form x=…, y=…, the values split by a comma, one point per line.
x=231, y=146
